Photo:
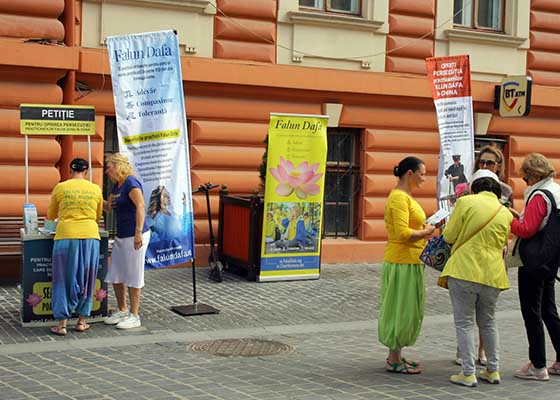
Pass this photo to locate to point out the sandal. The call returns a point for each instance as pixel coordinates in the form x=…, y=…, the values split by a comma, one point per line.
x=554, y=369
x=413, y=364
x=82, y=326
x=59, y=330
x=401, y=368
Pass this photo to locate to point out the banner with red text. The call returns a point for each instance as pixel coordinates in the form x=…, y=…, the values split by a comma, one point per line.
x=450, y=79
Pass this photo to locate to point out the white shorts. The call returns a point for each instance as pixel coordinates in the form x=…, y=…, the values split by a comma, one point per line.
x=127, y=263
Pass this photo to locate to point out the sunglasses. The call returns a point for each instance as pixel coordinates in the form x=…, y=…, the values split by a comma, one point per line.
x=489, y=163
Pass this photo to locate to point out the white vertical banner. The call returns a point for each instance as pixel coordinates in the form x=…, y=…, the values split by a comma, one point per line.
x=450, y=80
x=152, y=130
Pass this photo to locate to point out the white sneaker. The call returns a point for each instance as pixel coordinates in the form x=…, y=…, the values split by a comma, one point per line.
x=116, y=317
x=131, y=322
x=528, y=371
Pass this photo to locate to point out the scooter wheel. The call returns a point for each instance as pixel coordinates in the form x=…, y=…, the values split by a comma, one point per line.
x=216, y=271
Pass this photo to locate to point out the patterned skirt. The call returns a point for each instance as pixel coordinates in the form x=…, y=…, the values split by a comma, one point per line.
x=74, y=270
x=402, y=304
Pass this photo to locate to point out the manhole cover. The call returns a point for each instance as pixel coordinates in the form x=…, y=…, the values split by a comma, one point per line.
x=242, y=347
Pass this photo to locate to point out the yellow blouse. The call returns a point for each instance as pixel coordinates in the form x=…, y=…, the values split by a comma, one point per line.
x=78, y=203
x=402, y=215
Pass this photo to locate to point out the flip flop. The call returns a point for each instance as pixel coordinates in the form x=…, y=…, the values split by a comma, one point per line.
x=59, y=330
x=401, y=368
x=82, y=327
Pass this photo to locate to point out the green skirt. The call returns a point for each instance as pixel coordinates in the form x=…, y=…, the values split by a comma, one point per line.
x=402, y=304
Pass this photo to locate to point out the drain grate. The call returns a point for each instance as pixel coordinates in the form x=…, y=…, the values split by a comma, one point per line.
x=242, y=347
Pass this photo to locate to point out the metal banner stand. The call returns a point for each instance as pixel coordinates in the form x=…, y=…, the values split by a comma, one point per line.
x=195, y=308
x=90, y=170
x=26, y=169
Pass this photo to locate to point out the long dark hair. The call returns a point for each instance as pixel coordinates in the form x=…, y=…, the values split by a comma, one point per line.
x=406, y=164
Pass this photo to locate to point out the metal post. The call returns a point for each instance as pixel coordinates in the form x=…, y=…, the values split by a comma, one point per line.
x=89, y=158
x=26, y=169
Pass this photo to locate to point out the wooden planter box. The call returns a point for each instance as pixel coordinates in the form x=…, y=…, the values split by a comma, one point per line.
x=240, y=233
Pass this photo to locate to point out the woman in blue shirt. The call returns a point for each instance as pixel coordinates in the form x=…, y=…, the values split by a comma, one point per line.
x=129, y=249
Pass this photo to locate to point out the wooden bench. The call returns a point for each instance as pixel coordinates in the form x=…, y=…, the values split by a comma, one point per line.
x=10, y=239
x=10, y=249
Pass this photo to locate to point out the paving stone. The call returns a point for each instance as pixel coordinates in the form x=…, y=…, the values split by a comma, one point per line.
x=330, y=322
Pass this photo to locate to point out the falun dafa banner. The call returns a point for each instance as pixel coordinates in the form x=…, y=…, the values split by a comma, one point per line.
x=450, y=79
x=293, y=209
x=152, y=129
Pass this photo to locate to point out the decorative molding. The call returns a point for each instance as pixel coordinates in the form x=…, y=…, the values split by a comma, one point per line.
x=198, y=6
x=333, y=110
x=330, y=20
x=481, y=123
x=297, y=58
x=485, y=37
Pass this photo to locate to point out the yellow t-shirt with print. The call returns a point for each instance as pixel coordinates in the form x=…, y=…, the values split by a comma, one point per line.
x=78, y=203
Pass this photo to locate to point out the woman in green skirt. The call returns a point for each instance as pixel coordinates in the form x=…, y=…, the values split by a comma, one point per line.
x=402, y=274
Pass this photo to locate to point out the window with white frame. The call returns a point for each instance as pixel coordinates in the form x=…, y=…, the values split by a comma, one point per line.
x=479, y=14
x=338, y=6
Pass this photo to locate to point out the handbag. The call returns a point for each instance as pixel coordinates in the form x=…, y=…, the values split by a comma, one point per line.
x=436, y=253
x=512, y=258
x=442, y=280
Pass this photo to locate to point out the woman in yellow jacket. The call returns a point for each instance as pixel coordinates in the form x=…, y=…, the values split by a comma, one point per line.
x=402, y=274
x=478, y=228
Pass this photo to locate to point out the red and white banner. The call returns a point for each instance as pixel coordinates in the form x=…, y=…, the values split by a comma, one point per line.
x=450, y=79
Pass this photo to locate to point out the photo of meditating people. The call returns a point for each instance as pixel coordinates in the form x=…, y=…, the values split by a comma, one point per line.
x=292, y=227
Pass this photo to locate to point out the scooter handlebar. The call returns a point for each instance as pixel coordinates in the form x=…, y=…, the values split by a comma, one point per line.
x=205, y=187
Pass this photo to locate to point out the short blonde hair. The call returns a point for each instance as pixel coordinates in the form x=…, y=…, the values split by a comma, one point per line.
x=122, y=165
x=537, y=166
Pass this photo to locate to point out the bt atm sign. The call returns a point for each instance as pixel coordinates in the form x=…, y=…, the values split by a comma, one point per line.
x=513, y=96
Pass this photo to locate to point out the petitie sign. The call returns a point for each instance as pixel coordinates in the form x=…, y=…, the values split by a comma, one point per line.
x=513, y=96
x=55, y=119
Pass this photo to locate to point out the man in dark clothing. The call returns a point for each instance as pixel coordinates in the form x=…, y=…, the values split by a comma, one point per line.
x=456, y=172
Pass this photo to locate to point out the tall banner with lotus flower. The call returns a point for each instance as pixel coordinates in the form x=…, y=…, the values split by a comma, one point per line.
x=295, y=177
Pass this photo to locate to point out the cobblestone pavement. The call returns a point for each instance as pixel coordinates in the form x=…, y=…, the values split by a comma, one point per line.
x=331, y=324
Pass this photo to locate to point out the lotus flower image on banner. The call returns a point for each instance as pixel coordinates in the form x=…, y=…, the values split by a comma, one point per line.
x=300, y=179
x=295, y=177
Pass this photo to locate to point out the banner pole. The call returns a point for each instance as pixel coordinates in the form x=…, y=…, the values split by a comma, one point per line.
x=194, y=308
x=89, y=158
x=193, y=283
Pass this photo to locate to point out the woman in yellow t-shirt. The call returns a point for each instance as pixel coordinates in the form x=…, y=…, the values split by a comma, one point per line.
x=402, y=274
x=78, y=204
